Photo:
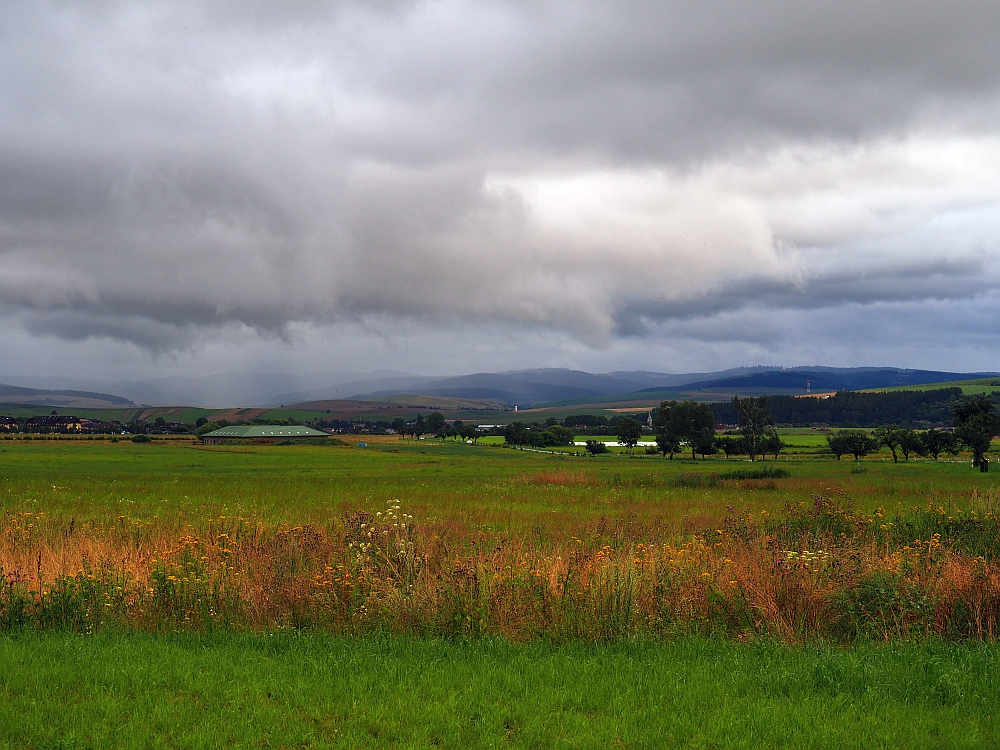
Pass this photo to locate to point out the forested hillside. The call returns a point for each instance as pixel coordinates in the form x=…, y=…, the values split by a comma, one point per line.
x=853, y=409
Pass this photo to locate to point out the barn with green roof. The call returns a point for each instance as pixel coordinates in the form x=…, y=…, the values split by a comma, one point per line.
x=268, y=432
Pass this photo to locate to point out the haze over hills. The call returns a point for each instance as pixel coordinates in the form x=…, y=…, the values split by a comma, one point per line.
x=276, y=388
x=220, y=389
x=524, y=388
x=549, y=384
x=534, y=387
x=527, y=386
x=12, y=394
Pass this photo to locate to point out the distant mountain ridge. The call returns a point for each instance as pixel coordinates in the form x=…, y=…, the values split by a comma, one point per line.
x=535, y=387
x=526, y=386
x=833, y=380
x=521, y=387
x=15, y=394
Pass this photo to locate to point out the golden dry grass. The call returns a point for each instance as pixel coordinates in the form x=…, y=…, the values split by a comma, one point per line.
x=824, y=572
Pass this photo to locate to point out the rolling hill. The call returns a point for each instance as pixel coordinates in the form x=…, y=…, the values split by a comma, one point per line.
x=825, y=379
x=14, y=394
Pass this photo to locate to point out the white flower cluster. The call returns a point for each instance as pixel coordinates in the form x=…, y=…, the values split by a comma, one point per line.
x=807, y=557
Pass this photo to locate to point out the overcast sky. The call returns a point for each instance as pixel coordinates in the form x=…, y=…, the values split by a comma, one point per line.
x=446, y=187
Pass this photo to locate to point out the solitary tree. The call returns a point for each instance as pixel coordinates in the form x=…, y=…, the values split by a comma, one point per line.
x=667, y=444
x=889, y=436
x=936, y=442
x=596, y=447
x=706, y=447
x=975, y=425
x=693, y=423
x=666, y=440
x=628, y=433
x=558, y=435
x=515, y=434
x=727, y=445
x=838, y=444
x=910, y=442
x=435, y=422
x=859, y=443
x=771, y=444
x=754, y=421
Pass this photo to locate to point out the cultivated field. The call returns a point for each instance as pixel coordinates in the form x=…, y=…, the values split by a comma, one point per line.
x=969, y=387
x=417, y=593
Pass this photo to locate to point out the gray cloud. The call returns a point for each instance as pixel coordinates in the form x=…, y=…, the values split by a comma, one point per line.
x=171, y=174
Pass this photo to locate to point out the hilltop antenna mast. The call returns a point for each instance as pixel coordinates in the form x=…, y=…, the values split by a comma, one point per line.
x=808, y=387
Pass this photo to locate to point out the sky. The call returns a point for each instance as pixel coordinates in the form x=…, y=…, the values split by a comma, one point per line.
x=451, y=187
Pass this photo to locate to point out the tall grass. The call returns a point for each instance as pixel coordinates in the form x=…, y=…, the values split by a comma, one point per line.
x=821, y=570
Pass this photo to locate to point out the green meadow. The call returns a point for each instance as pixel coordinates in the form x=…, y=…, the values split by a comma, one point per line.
x=288, y=686
x=486, y=484
x=313, y=691
x=969, y=387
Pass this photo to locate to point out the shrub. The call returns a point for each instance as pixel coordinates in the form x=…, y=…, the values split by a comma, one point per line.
x=767, y=472
x=695, y=479
x=325, y=441
x=207, y=427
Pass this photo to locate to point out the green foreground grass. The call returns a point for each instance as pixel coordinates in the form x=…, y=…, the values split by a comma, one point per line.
x=308, y=690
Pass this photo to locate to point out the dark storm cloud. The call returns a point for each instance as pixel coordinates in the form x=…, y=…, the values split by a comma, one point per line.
x=171, y=171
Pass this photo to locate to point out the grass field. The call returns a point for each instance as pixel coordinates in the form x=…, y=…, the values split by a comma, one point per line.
x=420, y=593
x=490, y=485
x=969, y=387
x=310, y=690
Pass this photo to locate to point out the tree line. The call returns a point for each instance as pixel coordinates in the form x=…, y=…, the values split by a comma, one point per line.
x=853, y=409
x=692, y=424
x=975, y=421
x=537, y=436
x=689, y=423
x=590, y=424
